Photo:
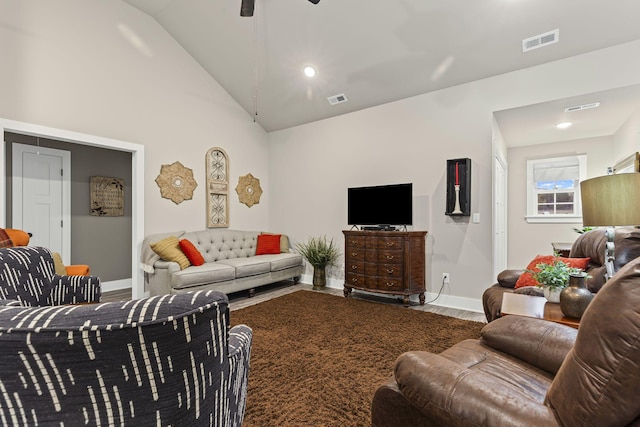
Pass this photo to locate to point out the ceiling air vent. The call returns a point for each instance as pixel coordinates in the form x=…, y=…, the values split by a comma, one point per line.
x=582, y=107
x=337, y=99
x=541, y=40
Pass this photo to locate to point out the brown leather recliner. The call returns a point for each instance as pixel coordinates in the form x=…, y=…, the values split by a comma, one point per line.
x=528, y=372
x=591, y=244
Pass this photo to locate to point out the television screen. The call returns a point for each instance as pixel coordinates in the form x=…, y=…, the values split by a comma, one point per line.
x=380, y=205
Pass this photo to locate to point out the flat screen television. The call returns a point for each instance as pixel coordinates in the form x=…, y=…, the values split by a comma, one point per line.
x=380, y=205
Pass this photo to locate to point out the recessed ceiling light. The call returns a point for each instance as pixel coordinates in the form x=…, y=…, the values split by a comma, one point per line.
x=309, y=71
x=563, y=125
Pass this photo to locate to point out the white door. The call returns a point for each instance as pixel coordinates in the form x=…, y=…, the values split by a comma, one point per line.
x=500, y=217
x=41, y=196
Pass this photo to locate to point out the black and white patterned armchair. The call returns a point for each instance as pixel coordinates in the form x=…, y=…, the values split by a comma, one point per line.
x=168, y=360
x=27, y=275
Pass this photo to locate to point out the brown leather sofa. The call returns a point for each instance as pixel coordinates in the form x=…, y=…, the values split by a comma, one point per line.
x=528, y=372
x=592, y=245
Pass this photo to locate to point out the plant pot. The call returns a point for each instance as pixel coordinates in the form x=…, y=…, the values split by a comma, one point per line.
x=319, y=278
x=552, y=294
x=575, y=298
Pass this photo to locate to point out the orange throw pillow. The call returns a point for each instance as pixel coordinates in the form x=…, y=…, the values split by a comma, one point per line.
x=18, y=237
x=526, y=279
x=268, y=244
x=192, y=253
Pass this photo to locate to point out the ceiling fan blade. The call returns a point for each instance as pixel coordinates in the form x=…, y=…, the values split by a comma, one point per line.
x=246, y=8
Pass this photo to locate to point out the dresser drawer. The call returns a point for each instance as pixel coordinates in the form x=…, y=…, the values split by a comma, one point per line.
x=389, y=243
x=390, y=271
x=354, y=242
x=356, y=267
x=390, y=284
x=387, y=256
x=357, y=280
x=354, y=254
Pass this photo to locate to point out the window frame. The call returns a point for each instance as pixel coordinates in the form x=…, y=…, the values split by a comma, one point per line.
x=532, y=215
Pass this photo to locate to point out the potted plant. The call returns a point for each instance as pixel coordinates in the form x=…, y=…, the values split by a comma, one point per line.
x=320, y=253
x=554, y=277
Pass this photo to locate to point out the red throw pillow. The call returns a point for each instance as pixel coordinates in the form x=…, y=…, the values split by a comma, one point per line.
x=268, y=244
x=526, y=279
x=191, y=252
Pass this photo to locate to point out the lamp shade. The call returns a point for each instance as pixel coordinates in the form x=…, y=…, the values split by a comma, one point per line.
x=611, y=200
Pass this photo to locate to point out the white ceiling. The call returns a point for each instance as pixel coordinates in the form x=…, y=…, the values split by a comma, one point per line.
x=535, y=124
x=377, y=51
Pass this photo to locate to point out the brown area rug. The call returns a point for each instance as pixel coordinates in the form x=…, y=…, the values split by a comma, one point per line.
x=317, y=359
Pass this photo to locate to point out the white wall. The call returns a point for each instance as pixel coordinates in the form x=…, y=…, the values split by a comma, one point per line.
x=528, y=240
x=312, y=165
x=626, y=140
x=67, y=65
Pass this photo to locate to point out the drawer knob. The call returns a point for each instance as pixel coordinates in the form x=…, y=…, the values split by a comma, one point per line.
x=354, y=267
x=389, y=256
x=389, y=284
x=390, y=244
x=354, y=280
x=390, y=270
x=354, y=254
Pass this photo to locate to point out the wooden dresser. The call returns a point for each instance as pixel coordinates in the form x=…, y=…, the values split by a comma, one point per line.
x=389, y=262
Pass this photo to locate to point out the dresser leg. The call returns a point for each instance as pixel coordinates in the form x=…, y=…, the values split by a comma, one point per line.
x=347, y=291
x=422, y=298
x=405, y=300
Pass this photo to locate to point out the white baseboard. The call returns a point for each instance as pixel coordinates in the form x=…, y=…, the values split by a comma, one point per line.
x=450, y=301
x=115, y=285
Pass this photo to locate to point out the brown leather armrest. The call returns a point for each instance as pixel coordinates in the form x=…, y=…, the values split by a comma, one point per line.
x=450, y=394
x=541, y=343
x=508, y=278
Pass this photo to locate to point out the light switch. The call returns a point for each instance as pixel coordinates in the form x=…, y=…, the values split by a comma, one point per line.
x=476, y=218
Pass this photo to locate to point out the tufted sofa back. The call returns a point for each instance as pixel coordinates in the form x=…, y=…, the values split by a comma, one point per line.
x=216, y=244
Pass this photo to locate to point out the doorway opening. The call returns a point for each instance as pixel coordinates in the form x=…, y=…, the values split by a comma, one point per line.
x=137, y=181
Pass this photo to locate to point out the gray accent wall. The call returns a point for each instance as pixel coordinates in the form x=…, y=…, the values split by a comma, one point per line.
x=104, y=243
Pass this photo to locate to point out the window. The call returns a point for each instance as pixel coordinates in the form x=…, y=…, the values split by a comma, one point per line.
x=553, y=189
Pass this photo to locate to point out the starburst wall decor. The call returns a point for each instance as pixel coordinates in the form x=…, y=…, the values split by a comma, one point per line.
x=249, y=190
x=176, y=182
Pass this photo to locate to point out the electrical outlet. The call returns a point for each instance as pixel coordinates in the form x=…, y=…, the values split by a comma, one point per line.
x=445, y=278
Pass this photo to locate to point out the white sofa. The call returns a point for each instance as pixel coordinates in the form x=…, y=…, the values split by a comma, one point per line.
x=231, y=265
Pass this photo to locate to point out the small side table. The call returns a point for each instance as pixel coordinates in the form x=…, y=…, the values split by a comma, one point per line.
x=538, y=307
x=562, y=249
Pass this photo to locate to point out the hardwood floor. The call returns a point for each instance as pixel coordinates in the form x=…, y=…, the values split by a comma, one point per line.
x=264, y=293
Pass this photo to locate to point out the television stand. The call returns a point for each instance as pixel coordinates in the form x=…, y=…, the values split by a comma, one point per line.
x=388, y=262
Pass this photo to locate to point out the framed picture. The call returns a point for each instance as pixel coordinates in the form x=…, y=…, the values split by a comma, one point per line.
x=628, y=165
x=458, y=187
x=107, y=196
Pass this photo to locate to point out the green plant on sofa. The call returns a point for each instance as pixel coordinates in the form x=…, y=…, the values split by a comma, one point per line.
x=321, y=254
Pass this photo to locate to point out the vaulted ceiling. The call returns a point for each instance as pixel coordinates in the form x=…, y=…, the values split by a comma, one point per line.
x=376, y=51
